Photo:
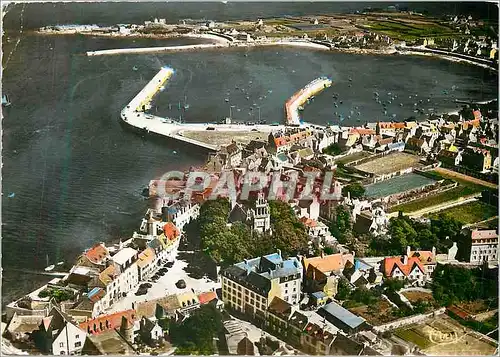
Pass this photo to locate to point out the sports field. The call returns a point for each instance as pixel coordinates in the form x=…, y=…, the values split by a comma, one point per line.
x=390, y=163
x=443, y=336
x=397, y=184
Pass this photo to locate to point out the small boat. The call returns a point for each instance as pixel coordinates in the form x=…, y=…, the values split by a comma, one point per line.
x=162, y=88
x=400, y=104
x=5, y=100
x=300, y=107
x=226, y=100
x=50, y=267
x=60, y=263
x=350, y=79
x=135, y=68
x=12, y=195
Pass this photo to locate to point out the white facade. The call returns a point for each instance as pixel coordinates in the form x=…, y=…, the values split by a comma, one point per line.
x=484, y=252
x=181, y=214
x=484, y=246
x=69, y=341
x=290, y=291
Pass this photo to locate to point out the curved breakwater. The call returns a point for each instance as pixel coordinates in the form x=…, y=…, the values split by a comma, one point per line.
x=292, y=105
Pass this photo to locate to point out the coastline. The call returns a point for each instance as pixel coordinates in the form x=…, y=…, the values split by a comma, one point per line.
x=220, y=42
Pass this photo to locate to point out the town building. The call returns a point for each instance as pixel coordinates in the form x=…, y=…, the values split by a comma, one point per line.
x=322, y=273
x=426, y=257
x=405, y=268
x=483, y=246
x=58, y=334
x=258, y=217
x=342, y=319
x=248, y=287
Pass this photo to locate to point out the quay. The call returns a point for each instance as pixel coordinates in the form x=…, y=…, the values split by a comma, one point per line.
x=134, y=114
x=302, y=96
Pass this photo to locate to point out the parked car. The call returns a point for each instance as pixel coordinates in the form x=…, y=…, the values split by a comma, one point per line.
x=141, y=291
x=145, y=286
x=181, y=284
x=169, y=264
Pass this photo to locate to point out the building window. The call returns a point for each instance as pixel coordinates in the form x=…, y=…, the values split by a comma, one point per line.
x=61, y=344
x=78, y=344
x=77, y=336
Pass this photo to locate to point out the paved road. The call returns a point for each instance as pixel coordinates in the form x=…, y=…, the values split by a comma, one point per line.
x=465, y=177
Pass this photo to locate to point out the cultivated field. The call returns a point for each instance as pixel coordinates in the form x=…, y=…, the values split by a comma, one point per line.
x=470, y=212
x=443, y=336
x=390, y=163
x=415, y=295
x=224, y=138
x=378, y=314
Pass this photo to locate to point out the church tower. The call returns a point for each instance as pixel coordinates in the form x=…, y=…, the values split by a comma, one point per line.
x=261, y=214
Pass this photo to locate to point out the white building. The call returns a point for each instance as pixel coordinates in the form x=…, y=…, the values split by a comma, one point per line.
x=250, y=286
x=484, y=246
x=59, y=335
x=181, y=213
x=261, y=215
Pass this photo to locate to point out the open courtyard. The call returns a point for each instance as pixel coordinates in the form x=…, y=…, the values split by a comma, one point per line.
x=390, y=163
x=219, y=138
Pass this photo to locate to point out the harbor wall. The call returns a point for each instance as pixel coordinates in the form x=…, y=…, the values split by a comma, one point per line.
x=300, y=97
x=153, y=49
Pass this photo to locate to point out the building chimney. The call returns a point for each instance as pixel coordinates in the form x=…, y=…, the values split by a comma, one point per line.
x=322, y=254
x=433, y=251
x=405, y=259
x=279, y=252
x=408, y=250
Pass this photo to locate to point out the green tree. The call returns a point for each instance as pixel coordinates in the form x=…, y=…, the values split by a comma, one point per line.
x=195, y=335
x=343, y=290
x=334, y=149
x=342, y=225
x=355, y=189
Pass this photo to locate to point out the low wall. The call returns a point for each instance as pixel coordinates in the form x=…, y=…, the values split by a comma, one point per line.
x=11, y=309
x=408, y=320
x=492, y=178
x=416, y=194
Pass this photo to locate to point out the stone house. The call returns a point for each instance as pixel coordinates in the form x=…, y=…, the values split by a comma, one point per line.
x=59, y=334
x=322, y=273
x=405, y=268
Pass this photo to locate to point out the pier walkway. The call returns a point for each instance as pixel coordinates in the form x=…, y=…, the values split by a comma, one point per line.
x=134, y=114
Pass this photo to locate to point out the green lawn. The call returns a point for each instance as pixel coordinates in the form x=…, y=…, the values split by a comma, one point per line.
x=470, y=212
x=412, y=336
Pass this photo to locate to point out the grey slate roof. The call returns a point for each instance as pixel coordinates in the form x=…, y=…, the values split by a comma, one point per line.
x=347, y=317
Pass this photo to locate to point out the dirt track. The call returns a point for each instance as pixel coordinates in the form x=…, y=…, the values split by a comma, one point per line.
x=466, y=177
